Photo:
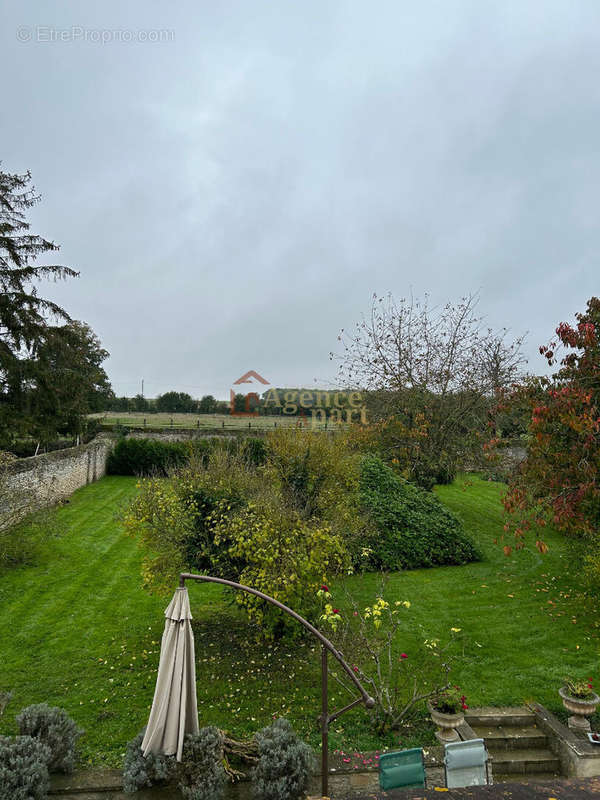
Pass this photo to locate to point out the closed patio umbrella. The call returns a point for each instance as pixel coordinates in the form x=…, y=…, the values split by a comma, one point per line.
x=174, y=710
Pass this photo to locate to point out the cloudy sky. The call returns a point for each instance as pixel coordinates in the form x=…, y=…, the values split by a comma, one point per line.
x=234, y=180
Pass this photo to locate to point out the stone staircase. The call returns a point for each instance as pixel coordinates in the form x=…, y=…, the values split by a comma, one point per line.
x=519, y=749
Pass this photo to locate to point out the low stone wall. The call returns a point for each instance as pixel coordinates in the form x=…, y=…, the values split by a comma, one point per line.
x=346, y=781
x=46, y=479
x=188, y=434
x=578, y=757
x=512, y=456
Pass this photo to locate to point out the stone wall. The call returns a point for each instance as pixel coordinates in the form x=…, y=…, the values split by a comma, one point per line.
x=579, y=758
x=48, y=478
x=512, y=456
x=188, y=434
x=346, y=782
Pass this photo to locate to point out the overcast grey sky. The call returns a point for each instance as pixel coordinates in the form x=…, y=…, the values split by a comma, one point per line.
x=235, y=193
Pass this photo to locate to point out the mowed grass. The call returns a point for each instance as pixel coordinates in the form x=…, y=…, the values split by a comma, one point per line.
x=78, y=631
x=214, y=421
x=525, y=620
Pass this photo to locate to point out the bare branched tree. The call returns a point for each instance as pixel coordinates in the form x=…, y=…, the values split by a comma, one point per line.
x=438, y=368
x=408, y=345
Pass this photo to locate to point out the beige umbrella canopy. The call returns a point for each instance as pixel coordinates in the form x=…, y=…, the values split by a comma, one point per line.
x=174, y=708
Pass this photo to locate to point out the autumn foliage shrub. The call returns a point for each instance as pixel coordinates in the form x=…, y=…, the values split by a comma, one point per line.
x=224, y=518
x=283, y=556
x=311, y=511
x=558, y=482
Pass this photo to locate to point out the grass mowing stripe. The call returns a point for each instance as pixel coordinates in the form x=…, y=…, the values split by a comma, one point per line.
x=77, y=630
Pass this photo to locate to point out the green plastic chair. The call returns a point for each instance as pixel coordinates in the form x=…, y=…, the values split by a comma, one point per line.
x=466, y=764
x=402, y=769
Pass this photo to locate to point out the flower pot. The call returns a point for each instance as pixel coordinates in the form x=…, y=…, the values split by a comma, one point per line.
x=580, y=709
x=446, y=724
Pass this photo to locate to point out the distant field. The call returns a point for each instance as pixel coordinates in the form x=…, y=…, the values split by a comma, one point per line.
x=209, y=421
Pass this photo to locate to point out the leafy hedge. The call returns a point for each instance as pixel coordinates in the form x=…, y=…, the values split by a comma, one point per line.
x=146, y=457
x=152, y=457
x=412, y=528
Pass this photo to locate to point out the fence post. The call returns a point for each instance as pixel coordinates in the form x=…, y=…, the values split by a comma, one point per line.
x=144, y=422
x=171, y=421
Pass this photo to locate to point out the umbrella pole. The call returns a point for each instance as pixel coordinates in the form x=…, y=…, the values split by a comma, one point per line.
x=324, y=726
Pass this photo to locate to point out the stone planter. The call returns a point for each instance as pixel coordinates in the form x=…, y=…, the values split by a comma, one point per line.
x=580, y=710
x=446, y=724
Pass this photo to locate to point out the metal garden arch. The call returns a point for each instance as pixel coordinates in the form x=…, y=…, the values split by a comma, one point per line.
x=326, y=647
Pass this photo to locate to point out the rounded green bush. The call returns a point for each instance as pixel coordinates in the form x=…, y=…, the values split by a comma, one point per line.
x=411, y=527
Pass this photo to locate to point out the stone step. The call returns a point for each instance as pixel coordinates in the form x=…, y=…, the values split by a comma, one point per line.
x=525, y=762
x=488, y=717
x=511, y=737
x=534, y=778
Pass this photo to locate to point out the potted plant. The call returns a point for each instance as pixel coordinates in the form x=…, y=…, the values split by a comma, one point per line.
x=447, y=709
x=580, y=699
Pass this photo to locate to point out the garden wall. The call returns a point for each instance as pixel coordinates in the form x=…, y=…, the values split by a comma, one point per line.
x=48, y=478
x=188, y=434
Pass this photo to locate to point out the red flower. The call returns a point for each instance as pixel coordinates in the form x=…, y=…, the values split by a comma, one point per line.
x=403, y=655
x=465, y=706
x=336, y=611
x=324, y=588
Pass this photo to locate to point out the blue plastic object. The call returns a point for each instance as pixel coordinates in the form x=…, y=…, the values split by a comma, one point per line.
x=466, y=763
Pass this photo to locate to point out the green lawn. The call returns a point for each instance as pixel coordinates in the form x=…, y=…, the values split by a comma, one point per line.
x=77, y=630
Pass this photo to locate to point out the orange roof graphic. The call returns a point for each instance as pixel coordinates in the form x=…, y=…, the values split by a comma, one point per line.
x=246, y=378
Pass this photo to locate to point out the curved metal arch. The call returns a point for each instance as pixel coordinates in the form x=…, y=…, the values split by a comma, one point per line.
x=368, y=700
x=327, y=646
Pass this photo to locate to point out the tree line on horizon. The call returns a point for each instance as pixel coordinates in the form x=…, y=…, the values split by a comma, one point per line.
x=277, y=401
